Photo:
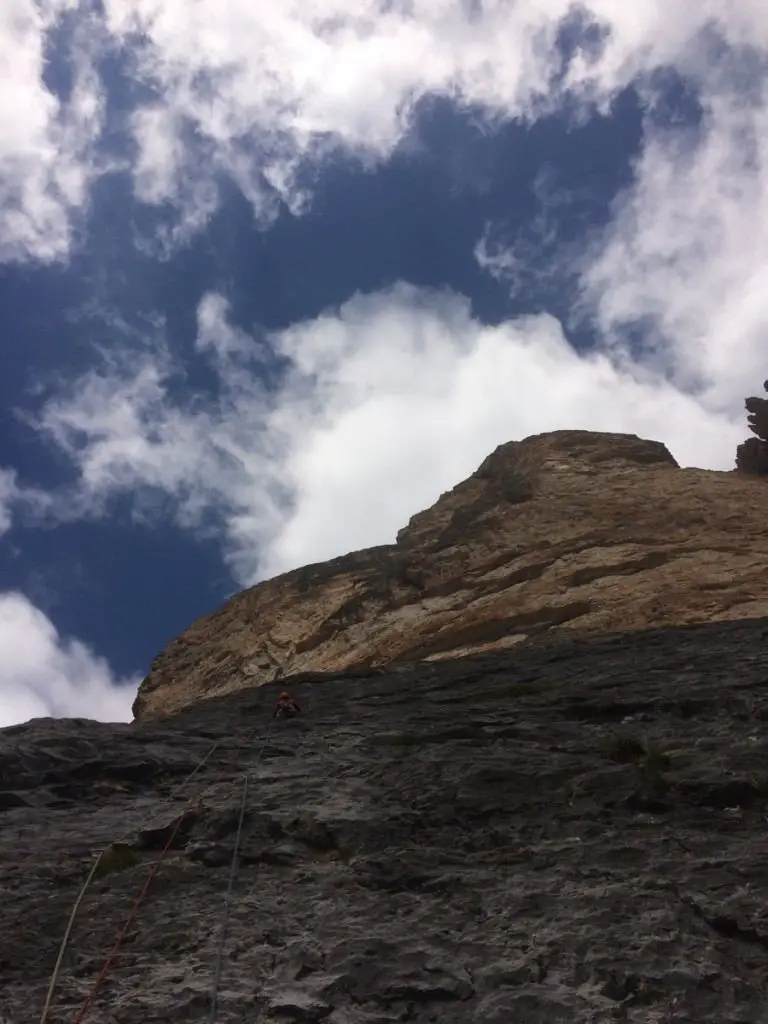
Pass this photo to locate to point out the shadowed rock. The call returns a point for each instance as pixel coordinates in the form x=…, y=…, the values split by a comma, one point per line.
x=570, y=831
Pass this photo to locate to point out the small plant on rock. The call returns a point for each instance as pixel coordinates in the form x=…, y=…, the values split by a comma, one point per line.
x=624, y=749
x=650, y=759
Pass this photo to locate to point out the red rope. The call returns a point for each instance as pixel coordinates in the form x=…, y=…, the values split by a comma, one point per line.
x=113, y=953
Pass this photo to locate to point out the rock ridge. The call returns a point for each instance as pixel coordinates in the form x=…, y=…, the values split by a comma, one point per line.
x=571, y=531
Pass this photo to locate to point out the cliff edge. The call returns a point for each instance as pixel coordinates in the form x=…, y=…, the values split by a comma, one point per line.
x=571, y=531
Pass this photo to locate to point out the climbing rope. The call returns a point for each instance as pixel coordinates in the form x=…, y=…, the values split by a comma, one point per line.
x=134, y=910
x=115, y=949
x=65, y=940
x=227, y=900
x=231, y=883
x=70, y=923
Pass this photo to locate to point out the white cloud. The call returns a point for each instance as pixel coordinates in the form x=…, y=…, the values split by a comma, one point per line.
x=687, y=252
x=46, y=161
x=8, y=493
x=15, y=496
x=255, y=91
x=387, y=402
x=264, y=93
x=45, y=674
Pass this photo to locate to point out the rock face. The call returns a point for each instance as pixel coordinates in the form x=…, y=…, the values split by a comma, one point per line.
x=568, y=531
x=571, y=831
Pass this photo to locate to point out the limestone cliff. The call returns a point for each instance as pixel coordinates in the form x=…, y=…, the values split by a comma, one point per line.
x=567, y=531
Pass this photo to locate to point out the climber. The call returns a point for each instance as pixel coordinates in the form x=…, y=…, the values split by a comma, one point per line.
x=286, y=706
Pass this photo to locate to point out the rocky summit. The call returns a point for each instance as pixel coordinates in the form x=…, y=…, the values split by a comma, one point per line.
x=571, y=531
x=573, y=830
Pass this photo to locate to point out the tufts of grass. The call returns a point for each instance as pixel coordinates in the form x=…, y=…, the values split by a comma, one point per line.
x=624, y=749
x=116, y=857
x=652, y=762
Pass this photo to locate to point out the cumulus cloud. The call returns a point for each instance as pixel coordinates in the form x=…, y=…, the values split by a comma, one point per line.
x=387, y=402
x=45, y=674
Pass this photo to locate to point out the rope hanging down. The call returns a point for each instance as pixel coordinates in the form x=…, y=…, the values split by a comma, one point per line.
x=230, y=885
x=121, y=936
x=70, y=923
x=134, y=911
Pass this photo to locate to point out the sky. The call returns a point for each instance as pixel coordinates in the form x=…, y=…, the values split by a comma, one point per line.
x=275, y=276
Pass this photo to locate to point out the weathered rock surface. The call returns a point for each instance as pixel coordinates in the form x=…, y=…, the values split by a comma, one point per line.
x=568, y=531
x=571, y=831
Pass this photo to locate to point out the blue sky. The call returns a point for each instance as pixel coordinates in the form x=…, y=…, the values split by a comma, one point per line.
x=273, y=279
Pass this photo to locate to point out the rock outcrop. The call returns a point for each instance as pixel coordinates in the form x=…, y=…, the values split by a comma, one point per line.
x=568, y=531
x=572, y=831
x=752, y=455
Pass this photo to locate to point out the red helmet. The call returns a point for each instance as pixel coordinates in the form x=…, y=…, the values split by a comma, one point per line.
x=285, y=696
